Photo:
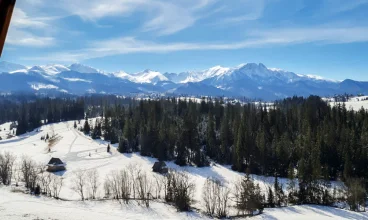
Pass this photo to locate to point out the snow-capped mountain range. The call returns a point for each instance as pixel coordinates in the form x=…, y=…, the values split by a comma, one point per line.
x=246, y=80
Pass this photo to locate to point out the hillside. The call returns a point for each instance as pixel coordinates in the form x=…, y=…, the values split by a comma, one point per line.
x=81, y=152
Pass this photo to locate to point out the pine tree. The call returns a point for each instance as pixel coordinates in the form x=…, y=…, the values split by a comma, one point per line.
x=211, y=139
x=347, y=167
x=96, y=132
x=270, y=198
x=86, y=127
x=22, y=127
x=239, y=150
x=114, y=136
x=225, y=136
x=107, y=130
x=123, y=146
x=128, y=132
x=181, y=150
x=279, y=193
x=248, y=196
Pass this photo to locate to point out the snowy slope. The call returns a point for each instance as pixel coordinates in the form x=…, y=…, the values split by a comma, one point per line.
x=6, y=67
x=15, y=206
x=49, y=69
x=81, y=152
x=355, y=103
x=123, y=75
x=55, y=69
x=196, y=76
x=149, y=76
x=77, y=67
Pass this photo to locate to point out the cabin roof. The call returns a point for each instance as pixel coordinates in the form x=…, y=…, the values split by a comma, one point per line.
x=55, y=161
x=159, y=165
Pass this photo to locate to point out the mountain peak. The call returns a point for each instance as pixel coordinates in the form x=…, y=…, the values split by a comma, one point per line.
x=83, y=68
x=10, y=67
x=261, y=65
x=149, y=76
x=253, y=66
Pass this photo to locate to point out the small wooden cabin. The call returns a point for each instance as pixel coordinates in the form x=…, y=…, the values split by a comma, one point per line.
x=55, y=165
x=160, y=167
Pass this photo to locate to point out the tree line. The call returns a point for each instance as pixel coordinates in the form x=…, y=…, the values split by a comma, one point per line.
x=304, y=135
x=297, y=137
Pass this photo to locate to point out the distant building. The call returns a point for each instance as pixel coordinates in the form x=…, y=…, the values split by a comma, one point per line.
x=55, y=165
x=160, y=167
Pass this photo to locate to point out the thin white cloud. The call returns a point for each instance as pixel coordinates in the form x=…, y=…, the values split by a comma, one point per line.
x=337, y=6
x=165, y=17
x=327, y=35
x=241, y=10
x=29, y=31
x=22, y=20
x=266, y=38
x=23, y=38
x=95, y=9
x=161, y=16
x=170, y=19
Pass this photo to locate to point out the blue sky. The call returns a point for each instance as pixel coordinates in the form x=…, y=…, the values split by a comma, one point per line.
x=321, y=37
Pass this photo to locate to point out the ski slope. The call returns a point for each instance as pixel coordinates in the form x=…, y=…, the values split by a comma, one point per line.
x=80, y=152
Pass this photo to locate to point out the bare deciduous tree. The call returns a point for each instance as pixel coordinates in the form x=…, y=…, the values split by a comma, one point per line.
x=120, y=184
x=6, y=167
x=216, y=198
x=17, y=173
x=144, y=188
x=44, y=181
x=210, y=190
x=133, y=170
x=30, y=172
x=56, y=185
x=107, y=187
x=159, y=185
x=79, y=183
x=93, y=183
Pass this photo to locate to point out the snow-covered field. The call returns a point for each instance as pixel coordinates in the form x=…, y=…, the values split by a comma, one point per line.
x=15, y=206
x=81, y=152
x=355, y=103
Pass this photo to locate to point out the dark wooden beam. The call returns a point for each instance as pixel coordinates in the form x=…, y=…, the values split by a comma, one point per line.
x=6, y=11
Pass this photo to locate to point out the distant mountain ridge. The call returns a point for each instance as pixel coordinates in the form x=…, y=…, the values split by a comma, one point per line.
x=249, y=80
